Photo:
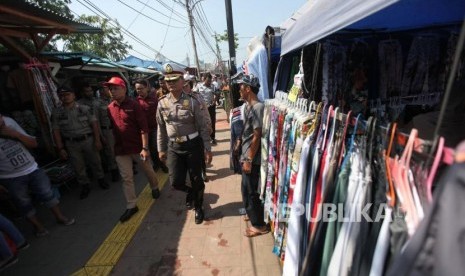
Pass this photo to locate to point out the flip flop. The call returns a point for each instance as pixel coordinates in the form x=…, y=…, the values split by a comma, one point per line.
x=246, y=218
x=252, y=233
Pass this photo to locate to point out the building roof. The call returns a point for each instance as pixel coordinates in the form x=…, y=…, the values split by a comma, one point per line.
x=20, y=18
x=88, y=61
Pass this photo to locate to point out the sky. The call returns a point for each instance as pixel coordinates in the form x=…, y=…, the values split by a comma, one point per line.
x=168, y=32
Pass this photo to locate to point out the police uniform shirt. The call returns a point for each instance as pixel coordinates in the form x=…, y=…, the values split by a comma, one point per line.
x=73, y=122
x=177, y=118
x=92, y=103
x=103, y=118
x=208, y=94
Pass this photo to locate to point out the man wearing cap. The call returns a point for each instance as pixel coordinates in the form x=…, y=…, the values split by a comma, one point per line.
x=130, y=130
x=250, y=158
x=182, y=129
x=77, y=137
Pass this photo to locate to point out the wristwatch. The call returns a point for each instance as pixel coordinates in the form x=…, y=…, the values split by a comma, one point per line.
x=145, y=148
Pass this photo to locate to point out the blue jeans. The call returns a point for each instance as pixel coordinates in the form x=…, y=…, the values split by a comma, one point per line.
x=36, y=182
x=8, y=228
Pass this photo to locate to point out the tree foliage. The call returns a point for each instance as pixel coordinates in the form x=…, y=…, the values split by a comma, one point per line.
x=110, y=44
x=225, y=37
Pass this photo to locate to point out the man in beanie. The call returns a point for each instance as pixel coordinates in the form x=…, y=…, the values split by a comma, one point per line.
x=130, y=130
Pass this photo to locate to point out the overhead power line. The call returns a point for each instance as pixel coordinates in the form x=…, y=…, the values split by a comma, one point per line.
x=170, y=16
x=153, y=19
x=137, y=16
x=171, y=9
x=97, y=11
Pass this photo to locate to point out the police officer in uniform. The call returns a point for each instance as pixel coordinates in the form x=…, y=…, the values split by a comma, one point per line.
x=77, y=137
x=87, y=98
x=108, y=140
x=182, y=128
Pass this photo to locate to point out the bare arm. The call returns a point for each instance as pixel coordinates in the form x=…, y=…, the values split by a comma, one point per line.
x=28, y=141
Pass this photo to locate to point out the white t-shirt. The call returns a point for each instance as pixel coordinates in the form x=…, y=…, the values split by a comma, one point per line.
x=15, y=159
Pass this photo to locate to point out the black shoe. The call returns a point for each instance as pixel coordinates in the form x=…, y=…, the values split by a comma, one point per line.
x=164, y=168
x=205, y=177
x=103, y=184
x=189, y=201
x=84, y=192
x=156, y=193
x=23, y=246
x=128, y=214
x=8, y=263
x=115, y=176
x=199, y=215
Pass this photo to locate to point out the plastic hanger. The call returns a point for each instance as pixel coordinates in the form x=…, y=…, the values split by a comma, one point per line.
x=344, y=132
x=434, y=167
x=391, y=194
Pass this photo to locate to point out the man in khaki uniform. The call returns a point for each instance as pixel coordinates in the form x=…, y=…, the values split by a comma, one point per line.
x=87, y=98
x=108, y=140
x=77, y=137
x=182, y=129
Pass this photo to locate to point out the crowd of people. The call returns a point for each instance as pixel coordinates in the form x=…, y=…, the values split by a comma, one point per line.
x=170, y=129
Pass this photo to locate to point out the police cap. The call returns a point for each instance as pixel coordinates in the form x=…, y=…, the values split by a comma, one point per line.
x=173, y=71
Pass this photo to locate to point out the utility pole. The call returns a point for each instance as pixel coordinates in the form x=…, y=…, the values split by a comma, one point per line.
x=232, y=49
x=191, y=23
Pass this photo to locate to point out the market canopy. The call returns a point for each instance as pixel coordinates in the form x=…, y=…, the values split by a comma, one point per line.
x=322, y=18
x=88, y=61
x=138, y=62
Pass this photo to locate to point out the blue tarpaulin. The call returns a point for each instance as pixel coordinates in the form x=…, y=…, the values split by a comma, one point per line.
x=138, y=62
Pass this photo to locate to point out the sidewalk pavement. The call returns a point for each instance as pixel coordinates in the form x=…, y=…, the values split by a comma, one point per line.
x=164, y=242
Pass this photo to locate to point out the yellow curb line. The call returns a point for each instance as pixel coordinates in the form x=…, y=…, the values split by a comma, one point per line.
x=109, y=252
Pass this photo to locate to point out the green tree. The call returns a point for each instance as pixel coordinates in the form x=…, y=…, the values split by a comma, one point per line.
x=225, y=37
x=110, y=44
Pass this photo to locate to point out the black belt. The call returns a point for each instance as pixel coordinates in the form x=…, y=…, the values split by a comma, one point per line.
x=78, y=138
x=106, y=127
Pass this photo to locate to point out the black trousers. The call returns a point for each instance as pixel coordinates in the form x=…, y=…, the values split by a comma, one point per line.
x=212, y=112
x=183, y=158
x=250, y=197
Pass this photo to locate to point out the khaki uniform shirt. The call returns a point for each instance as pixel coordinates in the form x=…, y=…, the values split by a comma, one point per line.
x=92, y=103
x=73, y=122
x=102, y=113
x=180, y=118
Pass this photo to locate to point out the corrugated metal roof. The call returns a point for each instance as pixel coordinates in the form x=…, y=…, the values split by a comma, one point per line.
x=22, y=16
